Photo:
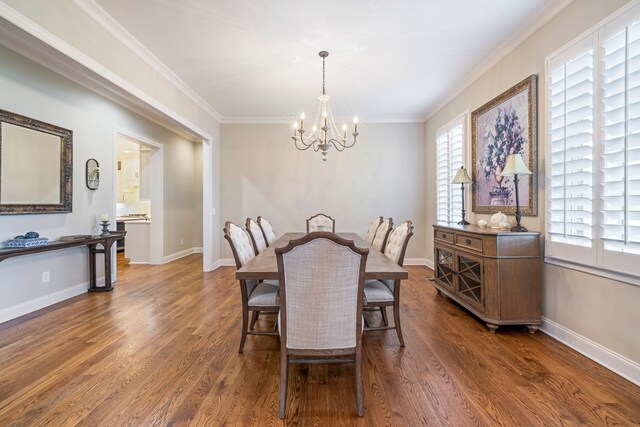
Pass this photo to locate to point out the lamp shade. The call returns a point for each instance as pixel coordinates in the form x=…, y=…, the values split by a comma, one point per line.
x=462, y=177
x=515, y=166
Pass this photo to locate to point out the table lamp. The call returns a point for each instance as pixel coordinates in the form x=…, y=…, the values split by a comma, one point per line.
x=462, y=177
x=515, y=166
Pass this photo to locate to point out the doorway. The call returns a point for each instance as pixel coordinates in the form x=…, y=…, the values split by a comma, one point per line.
x=138, y=197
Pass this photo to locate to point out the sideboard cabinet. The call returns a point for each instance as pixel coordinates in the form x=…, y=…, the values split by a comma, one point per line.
x=494, y=274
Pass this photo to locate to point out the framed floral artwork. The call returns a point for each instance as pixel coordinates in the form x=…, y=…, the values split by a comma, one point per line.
x=505, y=125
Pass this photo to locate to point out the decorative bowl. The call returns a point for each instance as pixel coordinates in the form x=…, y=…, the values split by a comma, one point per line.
x=25, y=243
x=482, y=223
x=497, y=219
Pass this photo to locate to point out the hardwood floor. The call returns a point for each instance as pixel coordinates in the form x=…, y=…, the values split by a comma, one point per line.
x=162, y=350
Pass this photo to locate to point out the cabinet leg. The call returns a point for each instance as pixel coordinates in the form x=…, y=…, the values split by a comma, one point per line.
x=533, y=328
x=492, y=327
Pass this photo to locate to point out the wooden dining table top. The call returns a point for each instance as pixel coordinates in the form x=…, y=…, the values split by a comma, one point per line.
x=265, y=267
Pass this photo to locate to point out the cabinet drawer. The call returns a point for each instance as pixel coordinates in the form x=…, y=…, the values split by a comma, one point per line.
x=469, y=242
x=445, y=236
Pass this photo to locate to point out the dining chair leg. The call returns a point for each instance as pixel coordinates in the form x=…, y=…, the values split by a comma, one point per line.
x=396, y=319
x=245, y=318
x=358, y=381
x=254, y=318
x=383, y=311
x=284, y=379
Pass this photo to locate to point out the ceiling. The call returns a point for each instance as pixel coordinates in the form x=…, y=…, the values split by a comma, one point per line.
x=258, y=60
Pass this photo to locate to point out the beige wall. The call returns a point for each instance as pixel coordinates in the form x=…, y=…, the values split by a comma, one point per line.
x=64, y=20
x=602, y=310
x=384, y=174
x=34, y=91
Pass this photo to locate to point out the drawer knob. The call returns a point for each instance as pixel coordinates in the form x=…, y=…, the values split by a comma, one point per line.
x=444, y=236
x=468, y=241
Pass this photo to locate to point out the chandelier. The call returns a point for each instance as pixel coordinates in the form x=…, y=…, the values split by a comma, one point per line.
x=324, y=133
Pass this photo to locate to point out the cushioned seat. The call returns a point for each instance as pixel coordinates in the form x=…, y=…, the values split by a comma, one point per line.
x=382, y=294
x=263, y=294
x=377, y=291
x=257, y=297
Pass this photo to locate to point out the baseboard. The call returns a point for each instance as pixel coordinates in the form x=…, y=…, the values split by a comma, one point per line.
x=429, y=263
x=415, y=261
x=179, y=255
x=622, y=366
x=225, y=262
x=27, y=307
x=197, y=250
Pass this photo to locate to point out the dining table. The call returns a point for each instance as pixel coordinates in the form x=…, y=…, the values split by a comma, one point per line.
x=265, y=267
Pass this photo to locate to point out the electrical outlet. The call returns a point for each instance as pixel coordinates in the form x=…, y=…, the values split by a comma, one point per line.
x=46, y=277
x=181, y=242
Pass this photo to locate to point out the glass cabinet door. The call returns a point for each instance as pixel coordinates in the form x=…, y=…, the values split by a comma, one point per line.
x=470, y=279
x=445, y=271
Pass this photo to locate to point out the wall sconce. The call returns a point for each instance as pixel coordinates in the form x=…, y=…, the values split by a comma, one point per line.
x=93, y=174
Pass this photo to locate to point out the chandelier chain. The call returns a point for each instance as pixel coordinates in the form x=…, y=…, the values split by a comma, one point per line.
x=323, y=91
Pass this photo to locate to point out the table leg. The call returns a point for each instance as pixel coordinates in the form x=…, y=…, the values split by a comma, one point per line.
x=107, y=265
x=92, y=266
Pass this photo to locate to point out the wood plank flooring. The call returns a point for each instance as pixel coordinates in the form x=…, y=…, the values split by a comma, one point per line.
x=162, y=350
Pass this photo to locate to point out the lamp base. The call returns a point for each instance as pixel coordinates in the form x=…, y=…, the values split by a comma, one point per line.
x=463, y=222
x=519, y=228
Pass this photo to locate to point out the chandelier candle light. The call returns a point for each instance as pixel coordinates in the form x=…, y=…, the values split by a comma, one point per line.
x=462, y=177
x=324, y=132
x=515, y=166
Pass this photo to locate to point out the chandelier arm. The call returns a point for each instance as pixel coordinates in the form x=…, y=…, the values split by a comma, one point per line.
x=338, y=145
x=304, y=146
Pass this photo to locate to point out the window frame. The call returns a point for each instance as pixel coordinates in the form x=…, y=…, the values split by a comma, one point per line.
x=595, y=260
x=463, y=121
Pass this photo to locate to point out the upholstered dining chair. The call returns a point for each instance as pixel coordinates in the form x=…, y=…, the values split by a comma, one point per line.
x=321, y=222
x=384, y=293
x=373, y=227
x=321, y=298
x=257, y=238
x=382, y=233
x=267, y=230
x=257, y=296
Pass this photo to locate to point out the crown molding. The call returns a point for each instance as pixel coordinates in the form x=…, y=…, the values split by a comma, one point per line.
x=505, y=48
x=39, y=45
x=288, y=120
x=106, y=21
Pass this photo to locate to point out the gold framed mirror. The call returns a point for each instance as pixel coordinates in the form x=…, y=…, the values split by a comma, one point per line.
x=36, y=166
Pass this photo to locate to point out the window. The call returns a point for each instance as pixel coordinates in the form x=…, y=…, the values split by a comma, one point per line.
x=593, y=148
x=449, y=149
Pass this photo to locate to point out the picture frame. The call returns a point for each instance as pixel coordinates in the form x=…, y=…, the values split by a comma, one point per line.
x=505, y=125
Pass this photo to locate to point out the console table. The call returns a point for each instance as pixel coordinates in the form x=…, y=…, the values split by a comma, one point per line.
x=492, y=273
x=91, y=243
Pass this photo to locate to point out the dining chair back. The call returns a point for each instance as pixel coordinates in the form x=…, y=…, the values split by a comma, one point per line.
x=382, y=233
x=373, y=227
x=321, y=280
x=267, y=230
x=256, y=296
x=380, y=294
x=257, y=238
x=398, y=241
x=321, y=222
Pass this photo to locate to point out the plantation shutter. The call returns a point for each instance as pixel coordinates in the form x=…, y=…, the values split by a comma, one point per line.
x=620, y=145
x=449, y=158
x=570, y=147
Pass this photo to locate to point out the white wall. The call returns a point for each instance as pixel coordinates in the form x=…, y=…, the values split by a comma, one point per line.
x=384, y=174
x=64, y=25
x=36, y=92
x=594, y=308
